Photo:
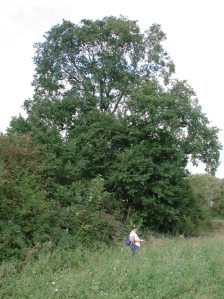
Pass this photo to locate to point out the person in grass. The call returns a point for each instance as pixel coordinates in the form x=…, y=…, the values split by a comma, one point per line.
x=135, y=240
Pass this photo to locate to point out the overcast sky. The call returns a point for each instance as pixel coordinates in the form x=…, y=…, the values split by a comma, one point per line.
x=194, y=30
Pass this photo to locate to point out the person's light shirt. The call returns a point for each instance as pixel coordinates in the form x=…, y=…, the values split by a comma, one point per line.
x=134, y=236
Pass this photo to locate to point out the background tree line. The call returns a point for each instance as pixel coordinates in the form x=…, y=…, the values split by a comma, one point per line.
x=106, y=141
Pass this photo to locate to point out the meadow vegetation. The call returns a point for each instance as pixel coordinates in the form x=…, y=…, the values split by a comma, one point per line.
x=165, y=268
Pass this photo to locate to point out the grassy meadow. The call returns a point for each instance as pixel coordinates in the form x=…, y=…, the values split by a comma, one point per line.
x=164, y=268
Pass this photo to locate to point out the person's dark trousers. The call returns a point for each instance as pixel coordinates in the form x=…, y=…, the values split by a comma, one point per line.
x=134, y=249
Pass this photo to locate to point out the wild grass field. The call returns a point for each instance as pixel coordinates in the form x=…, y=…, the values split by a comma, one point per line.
x=188, y=268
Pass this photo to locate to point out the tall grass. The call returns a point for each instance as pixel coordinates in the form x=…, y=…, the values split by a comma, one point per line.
x=164, y=268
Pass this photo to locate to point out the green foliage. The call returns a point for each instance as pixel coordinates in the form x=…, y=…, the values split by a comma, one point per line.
x=115, y=132
x=92, y=216
x=23, y=209
x=29, y=216
x=209, y=192
x=100, y=60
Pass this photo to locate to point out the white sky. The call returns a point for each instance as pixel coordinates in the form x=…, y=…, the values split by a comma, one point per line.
x=194, y=30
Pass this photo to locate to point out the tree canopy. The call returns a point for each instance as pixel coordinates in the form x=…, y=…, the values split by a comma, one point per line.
x=109, y=112
x=101, y=61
